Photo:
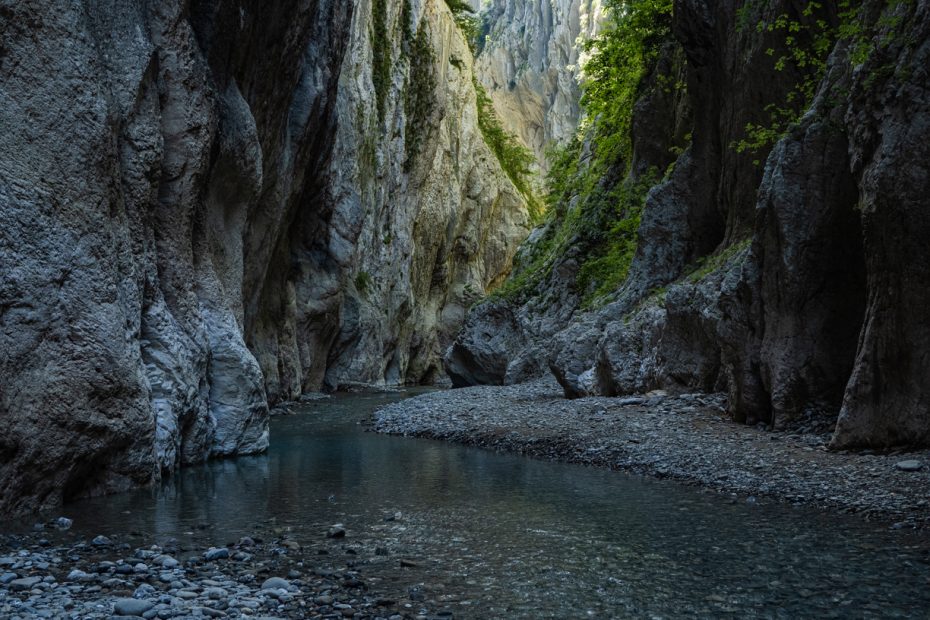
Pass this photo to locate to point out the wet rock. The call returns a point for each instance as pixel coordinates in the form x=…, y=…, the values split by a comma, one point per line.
x=213, y=554
x=25, y=583
x=336, y=531
x=132, y=607
x=275, y=583
x=79, y=575
x=909, y=465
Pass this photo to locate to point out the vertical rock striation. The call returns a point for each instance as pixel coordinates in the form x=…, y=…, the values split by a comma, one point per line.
x=530, y=61
x=208, y=205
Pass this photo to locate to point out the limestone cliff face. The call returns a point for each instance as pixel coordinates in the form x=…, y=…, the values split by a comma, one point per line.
x=208, y=205
x=530, y=62
x=418, y=220
x=810, y=293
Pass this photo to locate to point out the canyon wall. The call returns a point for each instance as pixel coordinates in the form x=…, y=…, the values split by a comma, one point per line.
x=208, y=206
x=792, y=276
x=530, y=60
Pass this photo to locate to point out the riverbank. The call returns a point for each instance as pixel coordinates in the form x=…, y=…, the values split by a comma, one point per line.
x=687, y=438
x=48, y=574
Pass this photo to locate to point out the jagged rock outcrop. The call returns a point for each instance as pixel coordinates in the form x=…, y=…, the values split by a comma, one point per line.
x=810, y=291
x=208, y=205
x=529, y=62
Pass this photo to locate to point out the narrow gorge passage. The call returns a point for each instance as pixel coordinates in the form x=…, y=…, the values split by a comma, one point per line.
x=678, y=239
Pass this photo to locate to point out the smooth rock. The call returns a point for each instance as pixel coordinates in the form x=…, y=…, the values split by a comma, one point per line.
x=336, y=531
x=216, y=554
x=79, y=575
x=26, y=583
x=909, y=465
x=63, y=523
x=132, y=607
x=275, y=583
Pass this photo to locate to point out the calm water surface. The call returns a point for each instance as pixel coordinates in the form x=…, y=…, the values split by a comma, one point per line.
x=504, y=536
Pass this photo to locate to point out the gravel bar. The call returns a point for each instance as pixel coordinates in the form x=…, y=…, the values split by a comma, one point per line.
x=47, y=576
x=684, y=437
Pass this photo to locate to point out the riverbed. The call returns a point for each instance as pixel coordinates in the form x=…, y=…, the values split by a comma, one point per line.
x=455, y=530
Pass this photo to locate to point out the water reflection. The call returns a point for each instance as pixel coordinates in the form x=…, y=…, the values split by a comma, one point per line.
x=513, y=537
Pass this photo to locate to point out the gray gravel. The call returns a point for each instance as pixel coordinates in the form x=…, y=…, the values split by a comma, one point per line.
x=685, y=437
x=79, y=580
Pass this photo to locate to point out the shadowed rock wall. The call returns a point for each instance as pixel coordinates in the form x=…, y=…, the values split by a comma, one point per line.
x=210, y=205
x=798, y=284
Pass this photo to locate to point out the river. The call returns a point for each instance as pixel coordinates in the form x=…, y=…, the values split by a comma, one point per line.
x=491, y=535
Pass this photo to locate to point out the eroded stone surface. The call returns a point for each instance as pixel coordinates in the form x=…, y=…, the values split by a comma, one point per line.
x=208, y=206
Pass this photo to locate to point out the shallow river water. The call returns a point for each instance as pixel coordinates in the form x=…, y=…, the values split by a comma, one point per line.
x=501, y=536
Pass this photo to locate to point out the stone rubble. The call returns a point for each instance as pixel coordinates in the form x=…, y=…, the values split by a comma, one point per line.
x=685, y=437
x=76, y=580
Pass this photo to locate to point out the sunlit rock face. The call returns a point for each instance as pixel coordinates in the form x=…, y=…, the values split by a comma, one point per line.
x=530, y=62
x=211, y=205
x=419, y=219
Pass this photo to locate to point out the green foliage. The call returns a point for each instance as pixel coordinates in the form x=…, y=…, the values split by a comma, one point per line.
x=419, y=97
x=467, y=21
x=363, y=282
x=603, y=231
x=607, y=263
x=515, y=159
x=381, y=52
x=590, y=212
x=712, y=263
x=620, y=58
x=808, y=39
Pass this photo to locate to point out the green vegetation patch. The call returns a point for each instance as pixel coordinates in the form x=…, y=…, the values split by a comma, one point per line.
x=620, y=58
x=420, y=95
x=808, y=39
x=607, y=264
x=363, y=282
x=593, y=206
x=467, y=21
x=714, y=262
x=381, y=55
x=515, y=159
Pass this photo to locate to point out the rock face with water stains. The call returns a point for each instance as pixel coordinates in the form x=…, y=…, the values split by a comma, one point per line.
x=796, y=284
x=210, y=205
